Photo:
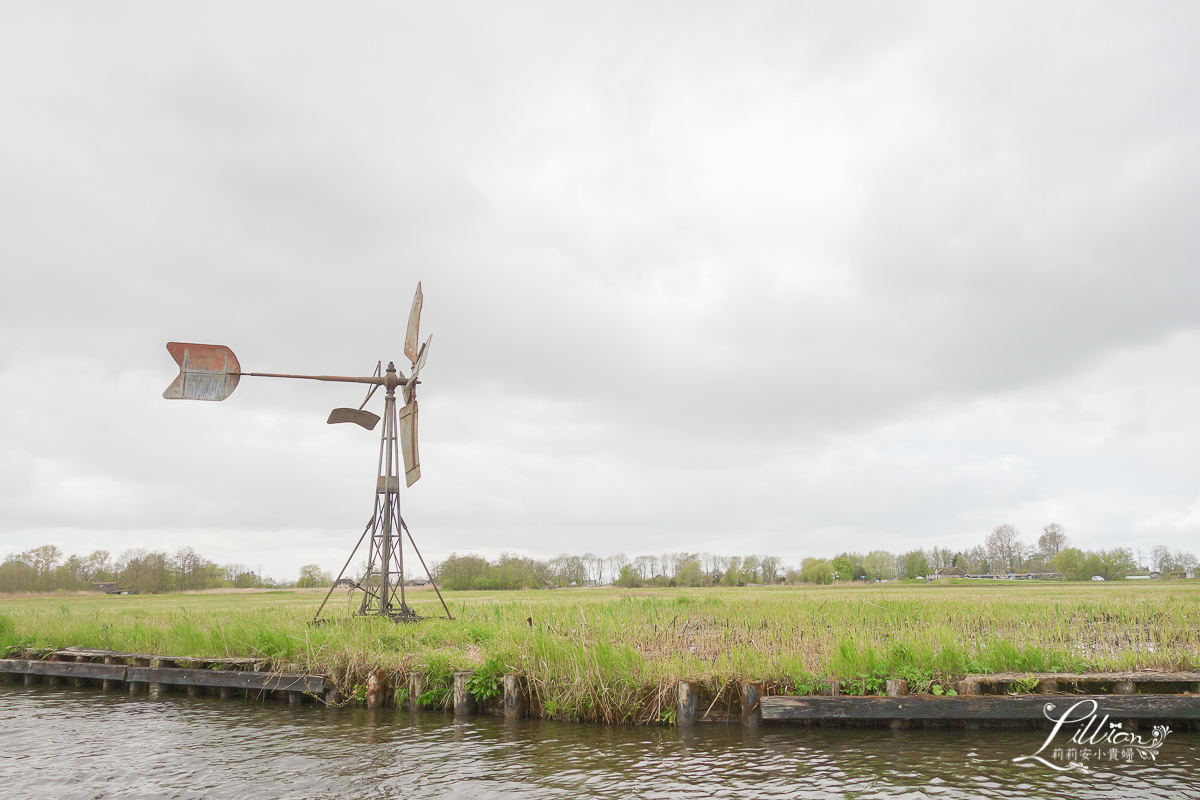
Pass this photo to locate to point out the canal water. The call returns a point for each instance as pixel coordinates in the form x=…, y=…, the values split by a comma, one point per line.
x=61, y=743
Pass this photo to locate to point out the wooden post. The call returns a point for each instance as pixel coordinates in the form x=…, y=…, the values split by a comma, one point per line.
x=52, y=680
x=968, y=687
x=29, y=678
x=514, y=696
x=1196, y=688
x=78, y=682
x=193, y=691
x=751, y=708
x=464, y=702
x=155, y=689
x=1124, y=687
x=685, y=708
x=294, y=699
x=897, y=688
x=107, y=683
x=333, y=696
x=416, y=688
x=375, y=689
x=136, y=687
x=225, y=692
x=1047, y=686
x=835, y=688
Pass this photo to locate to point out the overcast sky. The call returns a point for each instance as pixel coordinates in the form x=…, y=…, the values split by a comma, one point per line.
x=787, y=278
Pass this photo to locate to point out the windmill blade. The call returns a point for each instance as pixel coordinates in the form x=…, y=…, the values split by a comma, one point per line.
x=410, y=388
x=408, y=443
x=206, y=372
x=359, y=417
x=411, y=336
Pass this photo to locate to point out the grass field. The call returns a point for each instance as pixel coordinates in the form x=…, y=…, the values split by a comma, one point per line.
x=614, y=654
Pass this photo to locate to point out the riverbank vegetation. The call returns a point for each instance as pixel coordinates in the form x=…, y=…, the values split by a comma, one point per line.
x=614, y=655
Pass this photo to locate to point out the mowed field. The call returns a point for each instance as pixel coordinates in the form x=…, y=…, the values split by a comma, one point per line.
x=608, y=653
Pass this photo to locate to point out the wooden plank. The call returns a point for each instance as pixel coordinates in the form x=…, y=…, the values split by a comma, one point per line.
x=63, y=669
x=1006, y=707
x=1088, y=677
x=92, y=653
x=236, y=679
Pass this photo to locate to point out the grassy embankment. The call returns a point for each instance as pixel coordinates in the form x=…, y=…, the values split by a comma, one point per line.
x=614, y=655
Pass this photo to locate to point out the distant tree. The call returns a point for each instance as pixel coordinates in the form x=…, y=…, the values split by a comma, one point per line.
x=97, y=566
x=146, y=572
x=843, y=568
x=615, y=563
x=879, y=565
x=629, y=578
x=1005, y=547
x=975, y=560
x=770, y=566
x=940, y=558
x=751, y=566
x=43, y=559
x=817, y=570
x=1114, y=564
x=915, y=564
x=17, y=574
x=733, y=572
x=1160, y=558
x=1184, y=561
x=1072, y=563
x=1053, y=540
x=691, y=574
x=312, y=576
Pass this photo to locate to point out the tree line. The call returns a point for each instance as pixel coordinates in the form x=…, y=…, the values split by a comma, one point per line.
x=48, y=569
x=1002, y=552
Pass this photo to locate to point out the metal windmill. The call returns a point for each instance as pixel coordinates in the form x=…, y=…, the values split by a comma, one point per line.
x=212, y=372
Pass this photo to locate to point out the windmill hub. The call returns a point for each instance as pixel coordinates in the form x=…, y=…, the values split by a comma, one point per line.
x=212, y=372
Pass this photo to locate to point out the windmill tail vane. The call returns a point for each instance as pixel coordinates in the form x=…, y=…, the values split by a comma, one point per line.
x=211, y=372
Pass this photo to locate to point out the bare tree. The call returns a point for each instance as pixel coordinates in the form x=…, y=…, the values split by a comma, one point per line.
x=44, y=558
x=644, y=566
x=770, y=568
x=1053, y=540
x=1005, y=547
x=1160, y=558
x=940, y=558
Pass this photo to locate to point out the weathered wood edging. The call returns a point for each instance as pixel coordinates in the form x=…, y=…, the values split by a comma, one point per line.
x=1135, y=697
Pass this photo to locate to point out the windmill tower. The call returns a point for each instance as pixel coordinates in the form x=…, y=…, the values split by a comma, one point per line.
x=212, y=372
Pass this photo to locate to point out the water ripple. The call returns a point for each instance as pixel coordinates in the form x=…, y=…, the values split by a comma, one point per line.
x=72, y=744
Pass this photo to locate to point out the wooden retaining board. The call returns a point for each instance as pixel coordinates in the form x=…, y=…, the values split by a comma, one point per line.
x=64, y=669
x=233, y=679
x=1088, y=677
x=982, y=708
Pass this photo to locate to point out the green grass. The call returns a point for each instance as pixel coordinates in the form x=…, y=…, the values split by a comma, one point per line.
x=615, y=655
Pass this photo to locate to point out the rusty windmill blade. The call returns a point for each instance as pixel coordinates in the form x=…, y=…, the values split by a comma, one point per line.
x=408, y=443
x=411, y=336
x=408, y=420
x=410, y=388
x=364, y=419
x=206, y=372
